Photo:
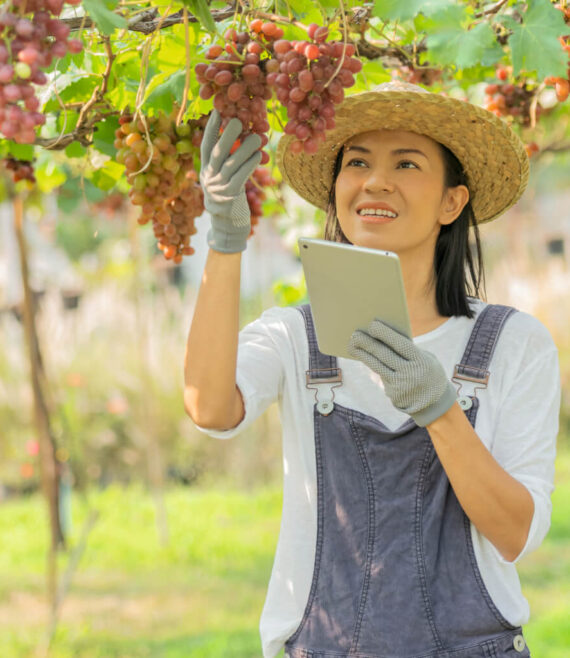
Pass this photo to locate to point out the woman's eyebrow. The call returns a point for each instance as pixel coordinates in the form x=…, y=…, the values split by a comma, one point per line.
x=354, y=147
x=405, y=151
x=400, y=151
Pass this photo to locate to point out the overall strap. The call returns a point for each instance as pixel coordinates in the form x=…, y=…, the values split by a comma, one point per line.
x=323, y=369
x=474, y=366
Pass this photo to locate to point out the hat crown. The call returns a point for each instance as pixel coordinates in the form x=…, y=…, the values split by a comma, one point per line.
x=400, y=85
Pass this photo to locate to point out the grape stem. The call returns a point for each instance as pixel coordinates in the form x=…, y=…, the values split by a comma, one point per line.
x=534, y=103
x=341, y=60
x=188, y=68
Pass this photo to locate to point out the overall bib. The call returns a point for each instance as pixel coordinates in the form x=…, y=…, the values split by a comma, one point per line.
x=395, y=573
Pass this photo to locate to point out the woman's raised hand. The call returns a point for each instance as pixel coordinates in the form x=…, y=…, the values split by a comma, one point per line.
x=223, y=177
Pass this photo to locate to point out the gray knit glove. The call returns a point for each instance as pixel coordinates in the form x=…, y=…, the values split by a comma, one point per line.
x=223, y=177
x=413, y=378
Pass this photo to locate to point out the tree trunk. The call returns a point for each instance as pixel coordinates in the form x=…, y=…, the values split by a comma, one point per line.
x=47, y=454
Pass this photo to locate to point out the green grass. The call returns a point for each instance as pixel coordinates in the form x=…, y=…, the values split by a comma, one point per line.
x=201, y=594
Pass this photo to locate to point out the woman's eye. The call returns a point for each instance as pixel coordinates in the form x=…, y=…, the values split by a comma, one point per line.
x=407, y=164
x=355, y=162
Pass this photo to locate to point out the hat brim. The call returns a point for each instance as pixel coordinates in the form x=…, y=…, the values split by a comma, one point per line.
x=492, y=155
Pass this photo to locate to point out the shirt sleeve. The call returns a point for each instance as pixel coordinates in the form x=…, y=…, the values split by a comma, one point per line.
x=259, y=374
x=527, y=421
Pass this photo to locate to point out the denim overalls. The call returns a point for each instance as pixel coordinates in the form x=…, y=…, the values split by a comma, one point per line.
x=395, y=574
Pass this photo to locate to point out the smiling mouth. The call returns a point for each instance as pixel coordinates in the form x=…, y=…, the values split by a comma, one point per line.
x=376, y=216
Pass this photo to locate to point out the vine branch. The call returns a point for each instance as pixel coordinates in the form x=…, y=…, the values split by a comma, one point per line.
x=84, y=127
x=150, y=21
x=493, y=9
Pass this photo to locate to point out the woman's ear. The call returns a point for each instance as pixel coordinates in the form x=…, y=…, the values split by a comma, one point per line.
x=453, y=202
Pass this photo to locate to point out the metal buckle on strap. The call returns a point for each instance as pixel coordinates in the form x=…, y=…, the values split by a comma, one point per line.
x=335, y=376
x=324, y=387
x=471, y=374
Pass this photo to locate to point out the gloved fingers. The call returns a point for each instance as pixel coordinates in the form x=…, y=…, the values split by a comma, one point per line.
x=210, y=137
x=369, y=360
x=380, y=351
x=399, y=343
x=223, y=146
x=236, y=184
x=247, y=148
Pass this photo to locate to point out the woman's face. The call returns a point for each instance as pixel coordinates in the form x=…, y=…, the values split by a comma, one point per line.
x=390, y=192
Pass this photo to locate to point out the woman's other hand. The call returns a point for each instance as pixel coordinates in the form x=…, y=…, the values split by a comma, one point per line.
x=413, y=378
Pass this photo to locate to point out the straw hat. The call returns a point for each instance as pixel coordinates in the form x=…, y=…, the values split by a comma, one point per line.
x=493, y=157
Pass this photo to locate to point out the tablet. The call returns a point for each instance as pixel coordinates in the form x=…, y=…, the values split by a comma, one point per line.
x=350, y=286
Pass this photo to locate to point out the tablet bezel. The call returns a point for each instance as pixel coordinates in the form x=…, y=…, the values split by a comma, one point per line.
x=339, y=278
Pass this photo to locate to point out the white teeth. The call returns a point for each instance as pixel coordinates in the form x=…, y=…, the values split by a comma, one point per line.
x=377, y=211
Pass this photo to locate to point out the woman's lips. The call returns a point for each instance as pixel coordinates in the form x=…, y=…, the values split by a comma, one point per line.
x=375, y=219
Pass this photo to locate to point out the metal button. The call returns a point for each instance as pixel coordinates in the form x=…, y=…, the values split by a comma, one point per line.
x=518, y=643
x=465, y=402
x=325, y=407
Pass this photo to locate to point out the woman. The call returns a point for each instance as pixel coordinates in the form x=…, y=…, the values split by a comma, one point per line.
x=406, y=507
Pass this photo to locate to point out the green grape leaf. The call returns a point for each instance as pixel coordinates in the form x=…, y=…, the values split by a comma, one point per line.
x=101, y=13
x=166, y=92
x=75, y=150
x=534, y=44
x=200, y=9
x=71, y=90
x=374, y=74
x=464, y=48
x=107, y=176
x=20, y=151
x=104, y=136
x=49, y=175
x=399, y=10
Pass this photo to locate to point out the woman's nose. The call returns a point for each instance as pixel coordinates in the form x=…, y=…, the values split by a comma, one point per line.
x=378, y=179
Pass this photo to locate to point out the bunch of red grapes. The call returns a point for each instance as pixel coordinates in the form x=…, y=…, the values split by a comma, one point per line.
x=163, y=178
x=309, y=78
x=31, y=35
x=506, y=99
x=255, y=194
x=424, y=76
x=112, y=205
x=236, y=78
x=20, y=169
x=562, y=85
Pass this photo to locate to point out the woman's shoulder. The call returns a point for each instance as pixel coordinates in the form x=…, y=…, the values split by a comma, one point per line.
x=282, y=314
x=280, y=322
x=521, y=332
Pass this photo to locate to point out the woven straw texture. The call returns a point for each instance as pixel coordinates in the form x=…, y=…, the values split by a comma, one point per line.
x=492, y=155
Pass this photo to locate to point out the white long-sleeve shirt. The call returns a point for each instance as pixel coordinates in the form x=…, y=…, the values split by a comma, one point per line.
x=517, y=420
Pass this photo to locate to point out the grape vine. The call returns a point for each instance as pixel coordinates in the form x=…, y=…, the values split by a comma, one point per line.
x=248, y=64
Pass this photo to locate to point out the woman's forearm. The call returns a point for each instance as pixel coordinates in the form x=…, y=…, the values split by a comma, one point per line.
x=499, y=506
x=211, y=397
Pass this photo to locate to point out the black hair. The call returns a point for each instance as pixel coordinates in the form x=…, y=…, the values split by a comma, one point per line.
x=458, y=264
